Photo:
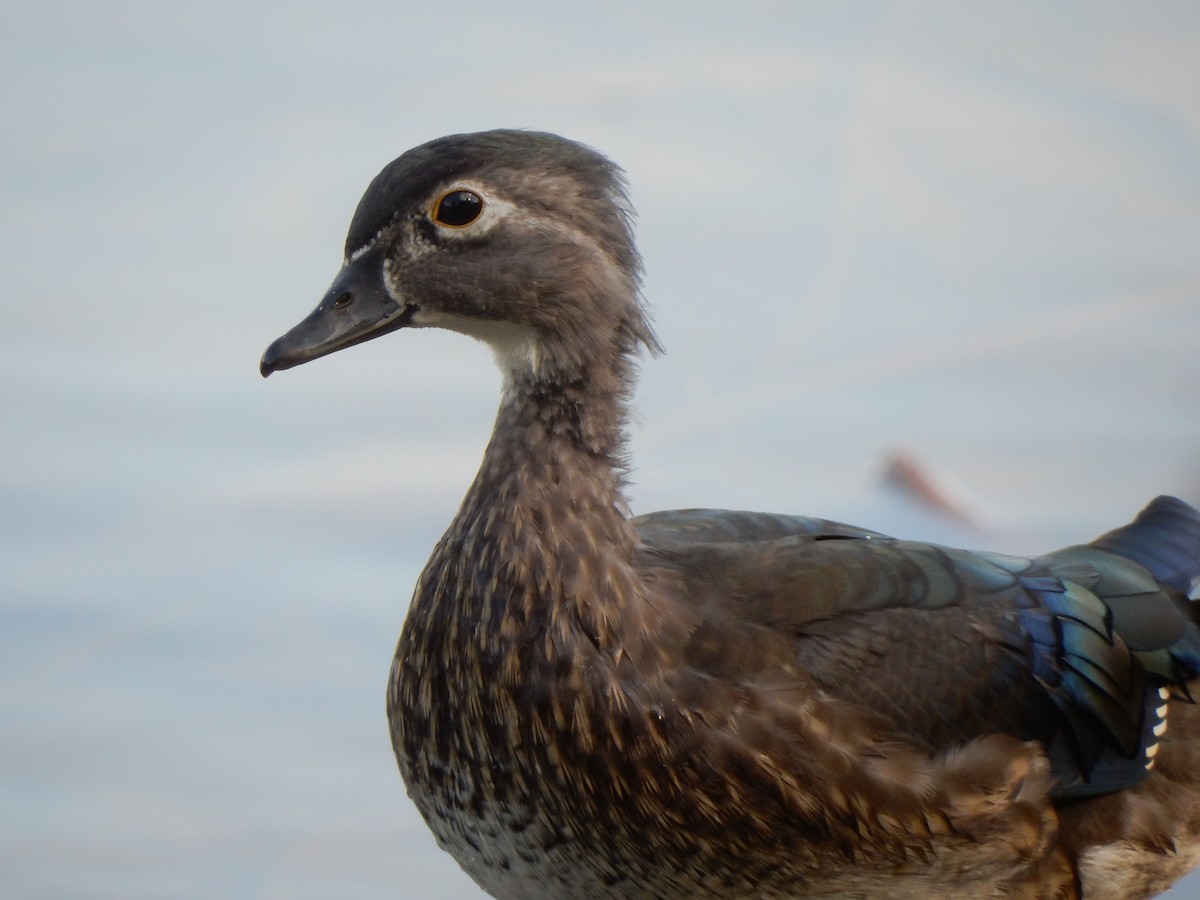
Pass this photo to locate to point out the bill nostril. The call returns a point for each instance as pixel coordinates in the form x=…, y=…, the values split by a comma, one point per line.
x=343, y=300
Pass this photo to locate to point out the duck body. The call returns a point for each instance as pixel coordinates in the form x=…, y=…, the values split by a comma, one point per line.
x=706, y=703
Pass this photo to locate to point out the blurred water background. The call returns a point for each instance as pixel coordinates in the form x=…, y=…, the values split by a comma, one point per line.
x=886, y=244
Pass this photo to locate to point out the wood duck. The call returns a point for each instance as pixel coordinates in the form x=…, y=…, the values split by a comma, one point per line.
x=706, y=703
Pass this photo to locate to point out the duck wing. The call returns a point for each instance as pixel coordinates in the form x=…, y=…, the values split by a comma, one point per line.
x=1076, y=649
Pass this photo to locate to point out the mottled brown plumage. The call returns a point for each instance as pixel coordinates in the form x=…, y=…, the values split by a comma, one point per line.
x=718, y=704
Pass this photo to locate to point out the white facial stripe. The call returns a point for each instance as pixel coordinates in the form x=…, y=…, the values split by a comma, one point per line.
x=365, y=248
x=497, y=208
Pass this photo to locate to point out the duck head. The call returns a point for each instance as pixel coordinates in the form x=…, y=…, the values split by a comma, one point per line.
x=521, y=239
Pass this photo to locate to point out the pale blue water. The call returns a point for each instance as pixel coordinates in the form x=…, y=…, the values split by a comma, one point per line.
x=967, y=235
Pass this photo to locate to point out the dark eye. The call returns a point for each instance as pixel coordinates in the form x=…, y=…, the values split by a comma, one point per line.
x=457, y=208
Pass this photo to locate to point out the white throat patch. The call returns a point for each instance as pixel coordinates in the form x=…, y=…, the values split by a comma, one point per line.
x=515, y=347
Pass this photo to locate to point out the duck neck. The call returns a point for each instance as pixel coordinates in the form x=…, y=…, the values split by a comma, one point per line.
x=557, y=454
x=543, y=538
x=581, y=416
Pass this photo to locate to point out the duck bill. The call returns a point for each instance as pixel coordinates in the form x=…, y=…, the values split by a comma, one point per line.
x=356, y=308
